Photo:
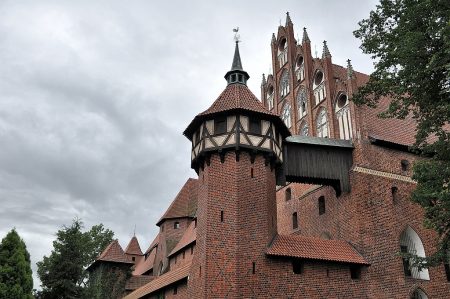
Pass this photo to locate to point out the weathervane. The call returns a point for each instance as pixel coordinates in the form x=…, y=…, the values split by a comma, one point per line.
x=237, y=37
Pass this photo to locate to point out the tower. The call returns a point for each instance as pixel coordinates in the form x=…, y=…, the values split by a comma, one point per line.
x=236, y=149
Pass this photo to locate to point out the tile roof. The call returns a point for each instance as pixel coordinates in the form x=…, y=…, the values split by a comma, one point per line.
x=235, y=97
x=315, y=249
x=189, y=236
x=161, y=282
x=185, y=203
x=145, y=264
x=113, y=253
x=133, y=247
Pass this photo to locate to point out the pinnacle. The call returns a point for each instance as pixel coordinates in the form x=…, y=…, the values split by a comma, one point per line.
x=288, y=19
x=349, y=69
x=263, y=81
x=326, y=51
x=305, y=36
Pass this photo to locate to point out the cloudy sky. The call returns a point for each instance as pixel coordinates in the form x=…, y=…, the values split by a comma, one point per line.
x=95, y=95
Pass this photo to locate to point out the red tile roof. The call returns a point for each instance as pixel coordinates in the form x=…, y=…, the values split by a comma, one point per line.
x=161, y=282
x=184, y=204
x=315, y=249
x=145, y=264
x=133, y=247
x=189, y=236
x=113, y=253
x=235, y=97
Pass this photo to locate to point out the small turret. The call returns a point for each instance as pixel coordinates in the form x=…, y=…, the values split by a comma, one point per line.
x=349, y=69
x=237, y=74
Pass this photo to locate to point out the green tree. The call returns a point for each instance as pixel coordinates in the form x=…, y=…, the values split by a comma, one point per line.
x=63, y=273
x=410, y=42
x=16, y=280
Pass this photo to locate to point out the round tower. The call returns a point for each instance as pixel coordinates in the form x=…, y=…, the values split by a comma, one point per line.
x=236, y=149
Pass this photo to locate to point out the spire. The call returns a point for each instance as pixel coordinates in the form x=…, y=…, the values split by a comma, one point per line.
x=288, y=19
x=305, y=36
x=349, y=69
x=263, y=82
x=326, y=51
x=237, y=74
x=274, y=39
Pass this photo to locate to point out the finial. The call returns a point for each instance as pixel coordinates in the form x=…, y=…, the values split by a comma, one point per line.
x=274, y=39
x=305, y=36
x=288, y=18
x=349, y=69
x=134, y=232
x=236, y=35
x=326, y=51
x=237, y=73
x=263, y=81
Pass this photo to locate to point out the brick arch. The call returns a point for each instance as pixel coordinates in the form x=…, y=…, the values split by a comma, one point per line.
x=416, y=287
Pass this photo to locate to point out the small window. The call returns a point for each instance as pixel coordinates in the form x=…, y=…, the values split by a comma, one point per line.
x=255, y=126
x=297, y=266
x=447, y=271
x=394, y=192
x=288, y=194
x=220, y=125
x=321, y=202
x=294, y=220
x=233, y=78
x=175, y=290
x=405, y=165
x=221, y=216
x=133, y=258
x=355, y=272
x=318, y=78
x=253, y=267
x=240, y=78
x=176, y=225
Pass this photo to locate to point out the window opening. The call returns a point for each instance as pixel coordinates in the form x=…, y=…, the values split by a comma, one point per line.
x=294, y=220
x=288, y=194
x=355, y=272
x=220, y=125
x=321, y=205
x=297, y=266
x=176, y=225
x=221, y=216
x=255, y=126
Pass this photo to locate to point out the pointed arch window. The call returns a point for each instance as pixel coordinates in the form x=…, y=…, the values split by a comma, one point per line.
x=411, y=243
x=322, y=123
x=282, y=52
x=343, y=117
x=270, y=98
x=302, y=102
x=319, y=87
x=284, y=84
x=300, y=69
x=304, y=129
x=286, y=115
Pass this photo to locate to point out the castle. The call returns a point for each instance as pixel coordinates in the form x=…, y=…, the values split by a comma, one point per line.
x=299, y=195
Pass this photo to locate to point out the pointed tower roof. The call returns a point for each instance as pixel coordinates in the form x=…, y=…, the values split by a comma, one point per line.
x=133, y=247
x=349, y=69
x=237, y=75
x=263, y=81
x=305, y=38
x=288, y=19
x=113, y=253
x=326, y=51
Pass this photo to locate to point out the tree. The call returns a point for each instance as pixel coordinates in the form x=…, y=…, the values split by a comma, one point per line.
x=63, y=273
x=16, y=281
x=410, y=42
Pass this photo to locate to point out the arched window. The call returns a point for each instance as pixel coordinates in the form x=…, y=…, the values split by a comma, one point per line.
x=343, y=117
x=270, y=98
x=284, y=83
x=303, y=129
x=322, y=124
x=302, y=102
x=286, y=115
x=300, y=69
x=319, y=87
x=410, y=243
x=282, y=52
x=418, y=294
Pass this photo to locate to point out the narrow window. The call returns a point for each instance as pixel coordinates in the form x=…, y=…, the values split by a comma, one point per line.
x=221, y=216
x=253, y=267
x=195, y=222
x=355, y=272
x=321, y=205
x=447, y=271
x=240, y=78
x=394, y=191
x=255, y=126
x=251, y=172
x=288, y=194
x=294, y=220
x=192, y=250
x=175, y=290
x=200, y=271
x=220, y=125
x=406, y=268
x=184, y=254
x=133, y=258
x=297, y=266
x=176, y=225
x=405, y=165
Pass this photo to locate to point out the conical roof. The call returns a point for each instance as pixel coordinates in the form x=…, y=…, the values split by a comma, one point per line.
x=236, y=69
x=113, y=253
x=133, y=247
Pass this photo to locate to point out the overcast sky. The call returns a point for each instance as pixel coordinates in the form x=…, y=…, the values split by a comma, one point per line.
x=95, y=95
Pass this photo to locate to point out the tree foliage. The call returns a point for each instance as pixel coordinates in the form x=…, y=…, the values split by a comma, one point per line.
x=63, y=273
x=16, y=281
x=410, y=42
